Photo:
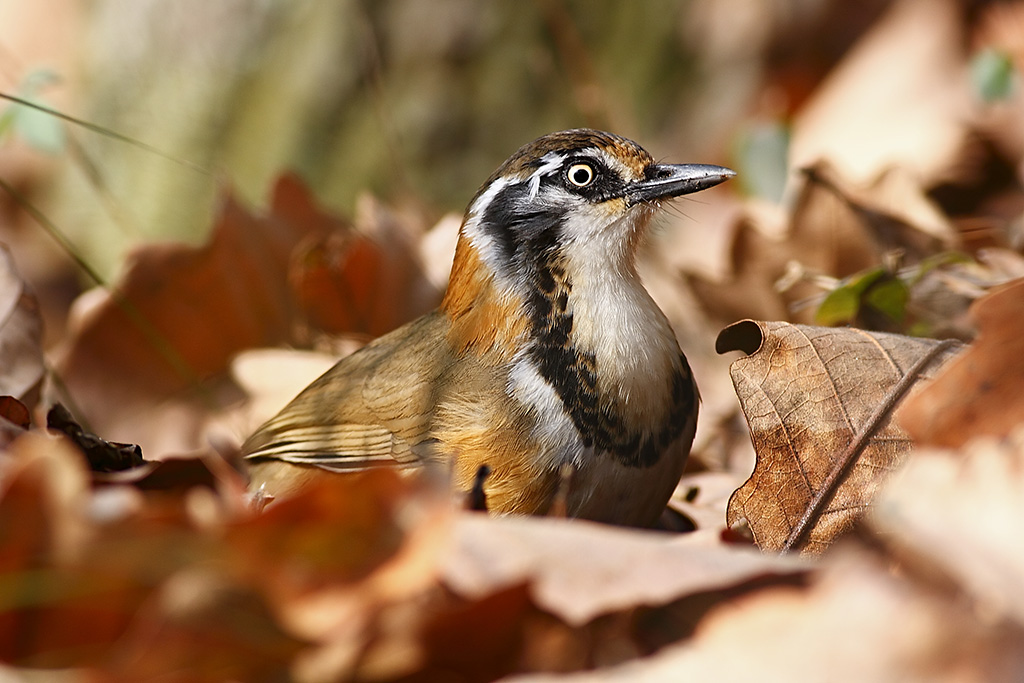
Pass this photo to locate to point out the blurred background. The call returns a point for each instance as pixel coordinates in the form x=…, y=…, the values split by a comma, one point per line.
x=412, y=101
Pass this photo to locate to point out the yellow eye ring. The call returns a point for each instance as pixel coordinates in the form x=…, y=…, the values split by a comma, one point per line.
x=581, y=174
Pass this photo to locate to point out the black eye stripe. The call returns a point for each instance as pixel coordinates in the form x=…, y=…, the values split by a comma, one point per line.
x=518, y=226
x=602, y=183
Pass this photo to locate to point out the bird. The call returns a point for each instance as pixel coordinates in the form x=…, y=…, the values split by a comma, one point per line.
x=547, y=368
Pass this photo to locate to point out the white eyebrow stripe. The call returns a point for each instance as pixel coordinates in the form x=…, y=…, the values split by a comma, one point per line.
x=613, y=163
x=484, y=200
x=472, y=228
x=552, y=161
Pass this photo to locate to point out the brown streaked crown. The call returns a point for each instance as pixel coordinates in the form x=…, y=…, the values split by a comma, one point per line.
x=520, y=164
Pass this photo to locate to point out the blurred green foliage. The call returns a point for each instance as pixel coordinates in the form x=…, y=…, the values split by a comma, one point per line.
x=37, y=128
x=993, y=75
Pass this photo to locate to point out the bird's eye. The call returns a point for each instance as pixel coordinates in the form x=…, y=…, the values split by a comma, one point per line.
x=581, y=174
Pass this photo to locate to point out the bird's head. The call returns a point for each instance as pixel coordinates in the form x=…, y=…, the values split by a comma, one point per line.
x=576, y=200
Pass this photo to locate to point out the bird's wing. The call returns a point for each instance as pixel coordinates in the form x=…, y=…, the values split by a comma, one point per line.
x=373, y=408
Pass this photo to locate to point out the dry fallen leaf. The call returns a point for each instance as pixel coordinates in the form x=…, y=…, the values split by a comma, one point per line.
x=958, y=513
x=201, y=622
x=979, y=392
x=43, y=603
x=365, y=279
x=270, y=378
x=339, y=529
x=856, y=623
x=579, y=570
x=819, y=402
x=175, y=318
x=895, y=209
x=703, y=497
x=143, y=362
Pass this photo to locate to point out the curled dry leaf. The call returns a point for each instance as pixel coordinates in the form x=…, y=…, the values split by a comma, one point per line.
x=959, y=512
x=818, y=402
x=21, y=336
x=979, y=392
x=579, y=571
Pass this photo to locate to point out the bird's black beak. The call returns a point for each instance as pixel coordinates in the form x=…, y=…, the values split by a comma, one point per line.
x=665, y=181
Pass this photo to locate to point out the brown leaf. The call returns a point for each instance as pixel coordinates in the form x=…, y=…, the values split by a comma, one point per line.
x=856, y=623
x=15, y=412
x=339, y=529
x=21, y=336
x=894, y=208
x=270, y=378
x=703, y=497
x=958, y=513
x=578, y=570
x=979, y=393
x=365, y=279
x=818, y=402
x=177, y=316
x=215, y=629
x=480, y=639
x=42, y=603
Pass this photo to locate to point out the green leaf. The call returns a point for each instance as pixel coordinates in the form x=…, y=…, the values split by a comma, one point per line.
x=889, y=296
x=838, y=308
x=843, y=303
x=993, y=75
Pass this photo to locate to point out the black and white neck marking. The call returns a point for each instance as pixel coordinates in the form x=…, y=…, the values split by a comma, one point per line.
x=561, y=240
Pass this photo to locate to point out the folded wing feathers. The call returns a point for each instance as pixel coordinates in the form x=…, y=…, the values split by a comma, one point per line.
x=337, y=446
